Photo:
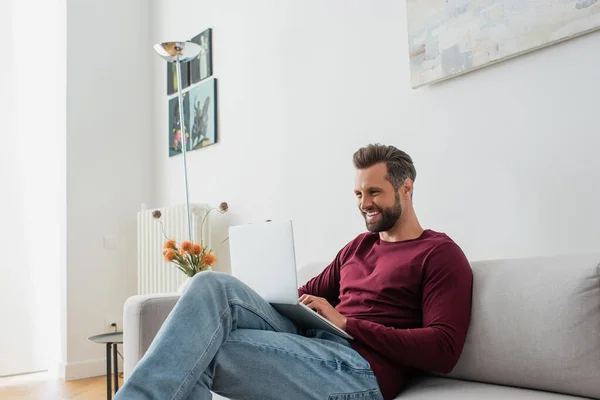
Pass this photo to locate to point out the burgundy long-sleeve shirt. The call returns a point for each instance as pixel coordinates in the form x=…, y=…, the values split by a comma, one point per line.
x=408, y=303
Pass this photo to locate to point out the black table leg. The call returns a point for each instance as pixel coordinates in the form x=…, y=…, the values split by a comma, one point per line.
x=116, y=367
x=108, y=369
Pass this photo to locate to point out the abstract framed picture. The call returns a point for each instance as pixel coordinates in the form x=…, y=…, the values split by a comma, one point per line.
x=448, y=38
x=175, y=136
x=172, y=76
x=201, y=66
x=203, y=114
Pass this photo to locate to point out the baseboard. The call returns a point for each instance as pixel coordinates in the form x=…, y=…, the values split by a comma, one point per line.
x=84, y=369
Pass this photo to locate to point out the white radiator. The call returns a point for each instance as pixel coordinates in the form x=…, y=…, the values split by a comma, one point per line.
x=155, y=275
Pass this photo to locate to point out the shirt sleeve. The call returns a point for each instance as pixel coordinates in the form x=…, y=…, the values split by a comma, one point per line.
x=446, y=304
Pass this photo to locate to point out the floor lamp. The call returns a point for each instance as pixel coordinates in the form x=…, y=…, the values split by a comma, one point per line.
x=180, y=52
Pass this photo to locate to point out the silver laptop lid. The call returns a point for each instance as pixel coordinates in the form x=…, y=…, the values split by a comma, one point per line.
x=263, y=257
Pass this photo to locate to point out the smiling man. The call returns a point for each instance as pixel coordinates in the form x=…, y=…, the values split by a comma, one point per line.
x=402, y=292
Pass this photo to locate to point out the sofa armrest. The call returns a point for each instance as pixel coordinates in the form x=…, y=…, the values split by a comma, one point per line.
x=143, y=315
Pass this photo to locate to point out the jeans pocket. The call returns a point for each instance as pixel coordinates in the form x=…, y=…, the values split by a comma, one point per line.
x=372, y=394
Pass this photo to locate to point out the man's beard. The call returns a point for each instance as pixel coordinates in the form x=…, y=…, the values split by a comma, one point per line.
x=389, y=217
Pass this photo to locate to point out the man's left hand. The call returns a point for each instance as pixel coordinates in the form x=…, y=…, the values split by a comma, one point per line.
x=323, y=307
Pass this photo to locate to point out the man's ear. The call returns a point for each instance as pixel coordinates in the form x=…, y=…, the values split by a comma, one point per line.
x=407, y=188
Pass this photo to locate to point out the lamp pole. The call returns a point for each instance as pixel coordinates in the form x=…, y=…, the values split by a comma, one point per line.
x=184, y=143
x=178, y=52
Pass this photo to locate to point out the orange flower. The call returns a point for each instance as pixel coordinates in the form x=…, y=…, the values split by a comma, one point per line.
x=187, y=246
x=209, y=259
x=170, y=244
x=197, y=250
x=170, y=255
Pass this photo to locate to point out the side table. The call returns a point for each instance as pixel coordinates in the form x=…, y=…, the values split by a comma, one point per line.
x=111, y=340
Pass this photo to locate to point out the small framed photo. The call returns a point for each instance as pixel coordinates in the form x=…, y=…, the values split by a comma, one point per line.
x=172, y=76
x=201, y=66
x=203, y=114
x=175, y=129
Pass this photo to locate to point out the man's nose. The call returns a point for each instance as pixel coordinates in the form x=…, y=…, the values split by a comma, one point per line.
x=365, y=203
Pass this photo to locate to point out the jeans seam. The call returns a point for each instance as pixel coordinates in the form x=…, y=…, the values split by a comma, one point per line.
x=334, y=363
x=257, y=312
x=187, y=378
x=369, y=393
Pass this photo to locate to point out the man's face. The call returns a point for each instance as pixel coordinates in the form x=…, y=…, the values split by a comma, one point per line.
x=378, y=202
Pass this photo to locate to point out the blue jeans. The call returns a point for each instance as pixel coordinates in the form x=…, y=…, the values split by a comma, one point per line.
x=223, y=337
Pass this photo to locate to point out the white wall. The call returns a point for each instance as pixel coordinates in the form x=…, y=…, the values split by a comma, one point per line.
x=506, y=156
x=109, y=168
x=30, y=176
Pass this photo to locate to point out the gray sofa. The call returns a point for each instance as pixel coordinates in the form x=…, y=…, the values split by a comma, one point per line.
x=534, y=333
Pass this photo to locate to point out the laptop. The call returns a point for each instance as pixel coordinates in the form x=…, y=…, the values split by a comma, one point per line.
x=263, y=257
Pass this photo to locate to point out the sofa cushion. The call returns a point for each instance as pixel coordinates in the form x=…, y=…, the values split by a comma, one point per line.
x=433, y=388
x=535, y=324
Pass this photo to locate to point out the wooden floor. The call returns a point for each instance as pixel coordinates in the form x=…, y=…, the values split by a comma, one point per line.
x=41, y=387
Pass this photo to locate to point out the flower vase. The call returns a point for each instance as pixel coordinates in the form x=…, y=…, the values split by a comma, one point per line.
x=184, y=284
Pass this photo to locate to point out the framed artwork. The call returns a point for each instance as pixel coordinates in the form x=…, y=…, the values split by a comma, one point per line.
x=203, y=114
x=448, y=38
x=172, y=77
x=201, y=66
x=199, y=90
x=175, y=136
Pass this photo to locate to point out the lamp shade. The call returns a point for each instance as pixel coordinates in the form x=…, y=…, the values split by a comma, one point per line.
x=171, y=50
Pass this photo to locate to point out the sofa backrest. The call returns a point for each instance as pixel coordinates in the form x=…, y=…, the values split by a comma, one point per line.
x=308, y=271
x=535, y=323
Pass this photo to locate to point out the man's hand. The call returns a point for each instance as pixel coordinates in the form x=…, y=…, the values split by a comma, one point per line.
x=323, y=307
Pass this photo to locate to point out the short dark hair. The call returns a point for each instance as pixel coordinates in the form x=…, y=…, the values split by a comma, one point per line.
x=399, y=164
